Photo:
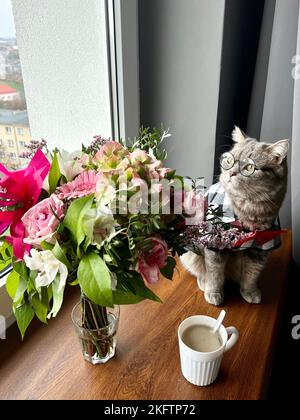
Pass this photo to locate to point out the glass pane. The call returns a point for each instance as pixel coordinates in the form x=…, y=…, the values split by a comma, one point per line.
x=14, y=124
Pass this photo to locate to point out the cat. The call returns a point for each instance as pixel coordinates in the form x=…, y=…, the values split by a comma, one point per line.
x=256, y=201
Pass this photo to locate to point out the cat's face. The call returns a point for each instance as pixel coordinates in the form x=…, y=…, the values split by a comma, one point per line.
x=252, y=168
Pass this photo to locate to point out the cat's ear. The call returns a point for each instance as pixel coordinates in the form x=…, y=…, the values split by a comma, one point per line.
x=238, y=135
x=279, y=150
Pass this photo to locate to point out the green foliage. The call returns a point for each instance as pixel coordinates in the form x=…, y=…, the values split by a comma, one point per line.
x=151, y=141
x=95, y=279
x=54, y=174
x=24, y=315
x=58, y=297
x=74, y=218
x=168, y=271
x=132, y=289
x=12, y=284
x=40, y=305
x=61, y=255
x=5, y=255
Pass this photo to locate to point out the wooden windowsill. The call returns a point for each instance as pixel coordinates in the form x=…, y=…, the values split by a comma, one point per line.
x=49, y=364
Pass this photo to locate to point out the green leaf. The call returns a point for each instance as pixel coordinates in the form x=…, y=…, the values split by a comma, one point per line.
x=46, y=246
x=58, y=297
x=126, y=298
x=54, y=174
x=12, y=284
x=61, y=256
x=40, y=305
x=74, y=216
x=21, y=269
x=134, y=287
x=142, y=290
x=94, y=280
x=24, y=315
x=74, y=283
x=168, y=271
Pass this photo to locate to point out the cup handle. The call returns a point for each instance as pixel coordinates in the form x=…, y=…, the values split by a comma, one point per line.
x=233, y=339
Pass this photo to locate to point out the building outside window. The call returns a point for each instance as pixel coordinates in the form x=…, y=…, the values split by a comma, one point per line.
x=14, y=124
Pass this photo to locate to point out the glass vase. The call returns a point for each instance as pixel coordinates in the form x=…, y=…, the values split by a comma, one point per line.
x=96, y=327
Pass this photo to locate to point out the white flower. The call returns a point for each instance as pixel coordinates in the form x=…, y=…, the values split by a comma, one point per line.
x=48, y=268
x=105, y=192
x=69, y=164
x=98, y=224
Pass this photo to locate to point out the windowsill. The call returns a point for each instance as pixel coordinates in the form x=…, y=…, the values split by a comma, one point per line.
x=147, y=359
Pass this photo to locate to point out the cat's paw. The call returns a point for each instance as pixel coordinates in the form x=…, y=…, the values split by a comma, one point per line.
x=214, y=298
x=253, y=296
x=201, y=283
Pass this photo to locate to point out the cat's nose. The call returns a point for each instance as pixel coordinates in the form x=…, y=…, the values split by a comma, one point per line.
x=232, y=173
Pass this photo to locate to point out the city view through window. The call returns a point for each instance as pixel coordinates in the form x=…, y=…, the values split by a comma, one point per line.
x=14, y=124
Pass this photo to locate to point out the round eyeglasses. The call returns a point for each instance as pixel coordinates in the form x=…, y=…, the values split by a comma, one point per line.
x=247, y=166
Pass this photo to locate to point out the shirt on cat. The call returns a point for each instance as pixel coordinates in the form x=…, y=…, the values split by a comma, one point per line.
x=263, y=240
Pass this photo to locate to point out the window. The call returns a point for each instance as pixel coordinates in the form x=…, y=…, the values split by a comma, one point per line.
x=86, y=87
x=22, y=143
x=13, y=108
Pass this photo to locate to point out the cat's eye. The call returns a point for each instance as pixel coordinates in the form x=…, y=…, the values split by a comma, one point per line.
x=247, y=167
x=227, y=161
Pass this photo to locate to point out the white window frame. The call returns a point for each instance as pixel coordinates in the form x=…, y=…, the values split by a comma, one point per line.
x=123, y=57
x=123, y=35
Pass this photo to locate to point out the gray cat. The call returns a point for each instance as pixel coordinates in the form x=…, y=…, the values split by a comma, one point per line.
x=254, y=177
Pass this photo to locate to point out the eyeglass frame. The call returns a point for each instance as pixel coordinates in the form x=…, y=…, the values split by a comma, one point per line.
x=250, y=161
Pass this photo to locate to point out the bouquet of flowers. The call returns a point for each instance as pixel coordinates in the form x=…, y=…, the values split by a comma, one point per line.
x=86, y=220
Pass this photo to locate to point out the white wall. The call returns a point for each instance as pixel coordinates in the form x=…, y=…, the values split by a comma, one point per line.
x=277, y=118
x=64, y=61
x=180, y=61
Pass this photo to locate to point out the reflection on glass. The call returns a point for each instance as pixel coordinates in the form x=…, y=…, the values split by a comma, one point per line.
x=14, y=124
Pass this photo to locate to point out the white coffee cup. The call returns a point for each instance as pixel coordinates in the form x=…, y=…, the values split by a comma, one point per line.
x=198, y=368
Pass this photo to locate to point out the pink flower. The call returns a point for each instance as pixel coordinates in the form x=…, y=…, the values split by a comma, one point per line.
x=42, y=220
x=112, y=157
x=110, y=149
x=152, y=258
x=163, y=172
x=83, y=185
x=20, y=190
x=139, y=156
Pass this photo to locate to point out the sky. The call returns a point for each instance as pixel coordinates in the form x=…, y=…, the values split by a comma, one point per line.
x=7, y=25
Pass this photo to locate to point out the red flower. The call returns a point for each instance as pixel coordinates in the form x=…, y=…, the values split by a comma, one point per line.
x=19, y=191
